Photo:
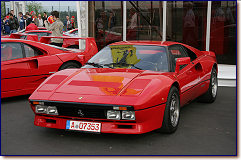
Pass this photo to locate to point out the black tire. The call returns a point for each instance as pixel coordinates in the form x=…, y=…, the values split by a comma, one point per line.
x=69, y=65
x=169, y=124
x=211, y=94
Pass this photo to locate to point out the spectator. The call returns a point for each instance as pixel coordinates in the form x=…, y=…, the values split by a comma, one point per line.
x=35, y=19
x=111, y=22
x=13, y=23
x=6, y=25
x=72, y=22
x=29, y=19
x=25, y=20
x=13, y=14
x=45, y=17
x=21, y=21
x=57, y=29
x=68, y=24
x=41, y=22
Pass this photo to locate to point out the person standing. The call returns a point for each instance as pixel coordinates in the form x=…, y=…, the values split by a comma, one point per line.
x=41, y=22
x=44, y=18
x=72, y=22
x=35, y=19
x=67, y=24
x=21, y=21
x=29, y=19
x=57, y=29
x=13, y=23
x=6, y=25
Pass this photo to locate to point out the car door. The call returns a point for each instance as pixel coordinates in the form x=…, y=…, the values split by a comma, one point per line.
x=188, y=75
x=41, y=64
x=15, y=68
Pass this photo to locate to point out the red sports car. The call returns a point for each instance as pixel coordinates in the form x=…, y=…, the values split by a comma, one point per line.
x=127, y=88
x=26, y=64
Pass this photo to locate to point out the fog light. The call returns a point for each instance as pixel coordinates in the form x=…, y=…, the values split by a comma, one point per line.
x=113, y=114
x=40, y=109
x=52, y=110
x=130, y=115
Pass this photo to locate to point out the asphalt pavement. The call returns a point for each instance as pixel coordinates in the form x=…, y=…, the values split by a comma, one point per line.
x=204, y=129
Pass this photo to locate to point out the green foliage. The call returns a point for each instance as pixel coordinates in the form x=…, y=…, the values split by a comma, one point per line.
x=3, y=9
x=34, y=6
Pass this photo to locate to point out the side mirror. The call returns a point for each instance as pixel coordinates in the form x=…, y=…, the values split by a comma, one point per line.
x=181, y=61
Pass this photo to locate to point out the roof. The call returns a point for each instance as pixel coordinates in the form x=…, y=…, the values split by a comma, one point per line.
x=158, y=43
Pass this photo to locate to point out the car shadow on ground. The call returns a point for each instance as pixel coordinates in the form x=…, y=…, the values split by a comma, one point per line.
x=14, y=99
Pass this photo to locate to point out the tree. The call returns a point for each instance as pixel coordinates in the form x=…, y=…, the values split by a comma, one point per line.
x=3, y=9
x=34, y=6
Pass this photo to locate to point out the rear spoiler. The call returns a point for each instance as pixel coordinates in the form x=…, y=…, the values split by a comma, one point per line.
x=30, y=37
x=70, y=41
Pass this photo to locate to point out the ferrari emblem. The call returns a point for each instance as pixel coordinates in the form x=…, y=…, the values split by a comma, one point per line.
x=80, y=113
x=80, y=97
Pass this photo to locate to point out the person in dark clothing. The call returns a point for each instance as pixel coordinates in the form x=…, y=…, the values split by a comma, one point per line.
x=13, y=23
x=29, y=19
x=6, y=25
x=45, y=17
x=21, y=21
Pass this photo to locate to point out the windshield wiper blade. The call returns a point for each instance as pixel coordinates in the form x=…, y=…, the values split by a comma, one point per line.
x=95, y=64
x=98, y=65
x=124, y=64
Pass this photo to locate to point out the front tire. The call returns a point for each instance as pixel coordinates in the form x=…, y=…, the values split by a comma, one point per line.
x=211, y=94
x=172, y=112
x=69, y=65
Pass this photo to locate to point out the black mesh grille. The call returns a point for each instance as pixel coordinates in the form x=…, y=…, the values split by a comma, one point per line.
x=81, y=112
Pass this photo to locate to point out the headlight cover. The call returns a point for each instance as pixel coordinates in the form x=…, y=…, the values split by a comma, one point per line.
x=113, y=115
x=41, y=109
x=128, y=115
x=52, y=110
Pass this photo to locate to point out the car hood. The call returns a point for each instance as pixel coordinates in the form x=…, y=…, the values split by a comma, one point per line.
x=99, y=81
x=106, y=86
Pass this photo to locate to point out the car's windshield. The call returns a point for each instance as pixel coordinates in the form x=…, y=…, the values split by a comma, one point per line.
x=142, y=57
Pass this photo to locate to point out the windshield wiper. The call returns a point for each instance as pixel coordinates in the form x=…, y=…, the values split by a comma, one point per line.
x=95, y=64
x=98, y=65
x=123, y=64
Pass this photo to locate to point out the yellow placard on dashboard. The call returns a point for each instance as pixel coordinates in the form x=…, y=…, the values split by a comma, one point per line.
x=124, y=54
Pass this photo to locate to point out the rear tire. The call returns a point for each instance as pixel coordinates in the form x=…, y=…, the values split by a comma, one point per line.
x=172, y=112
x=69, y=65
x=211, y=94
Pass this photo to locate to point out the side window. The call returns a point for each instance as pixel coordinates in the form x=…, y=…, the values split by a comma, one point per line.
x=190, y=53
x=176, y=51
x=31, y=52
x=10, y=51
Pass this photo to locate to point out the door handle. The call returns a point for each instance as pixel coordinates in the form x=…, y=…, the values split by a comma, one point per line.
x=33, y=63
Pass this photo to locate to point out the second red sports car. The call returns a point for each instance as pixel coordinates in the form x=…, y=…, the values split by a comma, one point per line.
x=26, y=64
x=127, y=88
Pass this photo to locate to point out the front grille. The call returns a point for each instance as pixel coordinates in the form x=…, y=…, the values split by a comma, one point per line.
x=81, y=112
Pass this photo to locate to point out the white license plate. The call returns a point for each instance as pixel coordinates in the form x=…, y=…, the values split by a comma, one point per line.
x=83, y=126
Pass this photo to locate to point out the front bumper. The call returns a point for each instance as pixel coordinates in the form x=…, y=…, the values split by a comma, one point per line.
x=146, y=120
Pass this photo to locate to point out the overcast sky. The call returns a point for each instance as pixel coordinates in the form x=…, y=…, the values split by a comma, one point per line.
x=63, y=5
x=56, y=3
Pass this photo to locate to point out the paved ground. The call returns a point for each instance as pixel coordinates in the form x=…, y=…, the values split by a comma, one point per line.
x=205, y=129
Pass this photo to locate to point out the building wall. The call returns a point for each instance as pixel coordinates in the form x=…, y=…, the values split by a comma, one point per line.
x=186, y=23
